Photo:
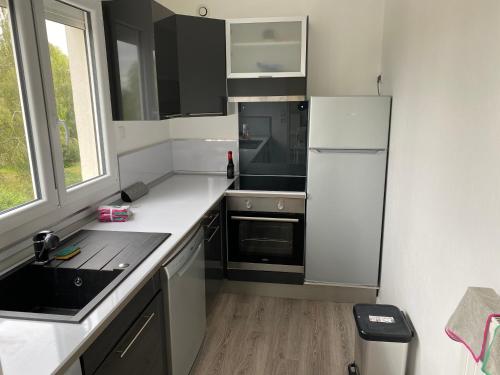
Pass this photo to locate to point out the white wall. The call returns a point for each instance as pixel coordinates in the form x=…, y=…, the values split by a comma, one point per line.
x=345, y=37
x=441, y=61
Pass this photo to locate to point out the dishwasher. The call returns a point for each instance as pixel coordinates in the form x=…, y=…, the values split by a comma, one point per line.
x=184, y=288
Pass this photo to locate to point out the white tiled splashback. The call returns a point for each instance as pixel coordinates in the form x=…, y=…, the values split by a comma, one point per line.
x=203, y=155
x=146, y=165
x=176, y=155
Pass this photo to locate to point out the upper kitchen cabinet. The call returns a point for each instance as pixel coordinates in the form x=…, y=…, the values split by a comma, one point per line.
x=191, y=66
x=163, y=65
x=268, y=47
x=130, y=49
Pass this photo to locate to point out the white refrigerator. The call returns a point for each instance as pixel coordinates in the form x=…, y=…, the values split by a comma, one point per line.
x=347, y=157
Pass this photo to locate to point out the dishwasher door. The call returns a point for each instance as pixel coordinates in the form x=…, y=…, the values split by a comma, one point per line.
x=186, y=305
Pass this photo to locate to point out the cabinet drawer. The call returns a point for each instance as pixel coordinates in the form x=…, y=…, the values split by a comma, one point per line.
x=141, y=350
x=105, y=343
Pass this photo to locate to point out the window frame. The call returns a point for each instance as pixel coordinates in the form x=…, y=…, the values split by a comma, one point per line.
x=55, y=203
x=30, y=83
x=86, y=192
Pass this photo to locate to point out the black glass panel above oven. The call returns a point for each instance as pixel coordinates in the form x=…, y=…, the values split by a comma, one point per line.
x=271, y=183
x=273, y=138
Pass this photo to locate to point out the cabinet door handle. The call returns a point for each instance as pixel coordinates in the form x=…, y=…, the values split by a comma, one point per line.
x=131, y=343
x=205, y=114
x=212, y=221
x=213, y=234
x=347, y=150
x=270, y=219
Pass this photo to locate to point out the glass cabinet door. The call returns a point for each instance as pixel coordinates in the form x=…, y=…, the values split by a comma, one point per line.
x=272, y=47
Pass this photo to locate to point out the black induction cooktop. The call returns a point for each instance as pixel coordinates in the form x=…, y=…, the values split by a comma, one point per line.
x=270, y=183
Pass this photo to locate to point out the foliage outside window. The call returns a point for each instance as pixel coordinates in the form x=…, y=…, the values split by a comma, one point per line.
x=56, y=157
x=16, y=182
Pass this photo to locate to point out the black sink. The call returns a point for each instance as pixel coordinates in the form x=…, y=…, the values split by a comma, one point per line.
x=46, y=290
x=67, y=291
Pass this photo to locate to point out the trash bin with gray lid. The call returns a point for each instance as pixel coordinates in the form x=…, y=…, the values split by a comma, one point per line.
x=384, y=336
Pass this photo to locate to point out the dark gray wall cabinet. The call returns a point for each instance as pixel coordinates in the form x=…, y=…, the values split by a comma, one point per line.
x=163, y=65
x=194, y=50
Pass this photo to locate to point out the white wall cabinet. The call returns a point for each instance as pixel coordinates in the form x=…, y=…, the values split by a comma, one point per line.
x=266, y=47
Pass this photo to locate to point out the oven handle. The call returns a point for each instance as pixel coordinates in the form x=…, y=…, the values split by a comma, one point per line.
x=272, y=219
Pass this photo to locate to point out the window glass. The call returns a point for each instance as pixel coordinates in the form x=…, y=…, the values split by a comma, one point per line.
x=74, y=93
x=18, y=184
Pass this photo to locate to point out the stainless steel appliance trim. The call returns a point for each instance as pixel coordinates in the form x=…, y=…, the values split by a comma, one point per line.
x=182, y=244
x=324, y=283
x=271, y=219
x=124, y=352
x=203, y=139
x=284, y=98
x=274, y=203
x=347, y=150
x=269, y=194
x=265, y=267
x=272, y=175
x=205, y=114
x=192, y=259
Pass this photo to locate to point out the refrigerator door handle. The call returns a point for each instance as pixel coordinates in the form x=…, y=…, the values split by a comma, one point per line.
x=347, y=150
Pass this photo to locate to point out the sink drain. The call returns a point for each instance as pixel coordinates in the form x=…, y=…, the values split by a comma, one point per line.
x=78, y=281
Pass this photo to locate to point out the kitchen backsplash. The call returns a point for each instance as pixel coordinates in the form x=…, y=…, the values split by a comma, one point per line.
x=202, y=155
x=176, y=155
x=146, y=164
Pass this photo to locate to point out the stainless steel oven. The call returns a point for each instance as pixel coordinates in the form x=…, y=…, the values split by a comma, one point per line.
x=266, y=238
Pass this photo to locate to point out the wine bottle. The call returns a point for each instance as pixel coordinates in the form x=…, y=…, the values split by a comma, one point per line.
x=230, y=165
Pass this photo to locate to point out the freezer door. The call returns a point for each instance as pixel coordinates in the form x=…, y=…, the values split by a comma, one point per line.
x=349, y=122
x=344, y=216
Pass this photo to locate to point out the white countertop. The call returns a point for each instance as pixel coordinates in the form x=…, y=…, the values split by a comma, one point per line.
x=174, y=206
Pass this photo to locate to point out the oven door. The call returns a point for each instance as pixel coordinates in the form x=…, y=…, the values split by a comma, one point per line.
x=265, y=241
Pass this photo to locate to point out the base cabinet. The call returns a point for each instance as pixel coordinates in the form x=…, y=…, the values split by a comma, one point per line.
x=214, y=225
x=134, y=343
x=138, y=351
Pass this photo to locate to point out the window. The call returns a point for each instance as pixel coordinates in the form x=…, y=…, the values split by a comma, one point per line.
x=56, y=149
x=18, y=182
x=73, y=91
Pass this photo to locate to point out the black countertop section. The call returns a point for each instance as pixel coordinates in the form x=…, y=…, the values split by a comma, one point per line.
x=67, y=290
x=270, y=183
x=105, y=250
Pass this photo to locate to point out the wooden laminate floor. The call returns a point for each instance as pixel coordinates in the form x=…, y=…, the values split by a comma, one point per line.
x=270, y=336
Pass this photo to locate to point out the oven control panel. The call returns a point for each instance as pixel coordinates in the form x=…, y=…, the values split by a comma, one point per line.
x=267, y=204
